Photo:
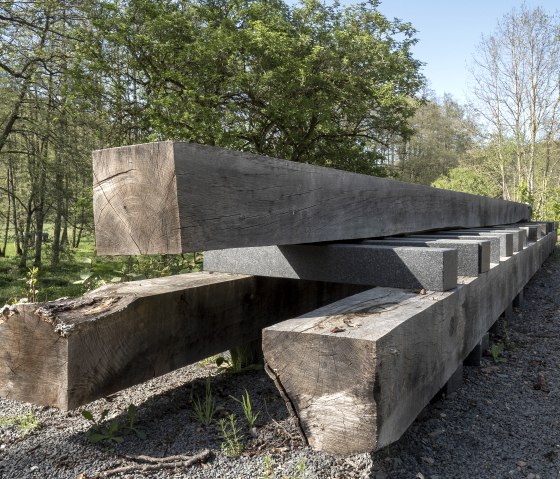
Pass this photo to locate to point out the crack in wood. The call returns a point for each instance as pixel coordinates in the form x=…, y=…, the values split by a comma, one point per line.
x=289, y=404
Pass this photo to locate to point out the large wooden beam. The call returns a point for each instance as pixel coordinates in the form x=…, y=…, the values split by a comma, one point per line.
x=356, y=373
x=176, y=197
x=69, y=352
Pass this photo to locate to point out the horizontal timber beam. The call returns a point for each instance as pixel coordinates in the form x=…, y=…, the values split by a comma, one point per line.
x=433, y=269
x=356, y=373
x=176, y=197
x=69, y=352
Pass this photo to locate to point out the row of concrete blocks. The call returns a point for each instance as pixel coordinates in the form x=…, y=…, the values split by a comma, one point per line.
x=433, y=261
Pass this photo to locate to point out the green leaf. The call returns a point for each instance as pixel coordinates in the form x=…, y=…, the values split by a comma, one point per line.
x=96, y=437
x=88, y=415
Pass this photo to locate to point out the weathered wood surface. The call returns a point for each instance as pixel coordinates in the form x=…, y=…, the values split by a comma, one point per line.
x=69, y=352
x=395, y=266
x=175, y=197
x=359, y=371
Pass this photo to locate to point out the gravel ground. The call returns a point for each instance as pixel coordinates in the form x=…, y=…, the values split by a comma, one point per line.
x=503, y=422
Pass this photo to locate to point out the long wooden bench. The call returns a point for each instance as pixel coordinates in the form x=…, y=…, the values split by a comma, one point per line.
x=356, y=372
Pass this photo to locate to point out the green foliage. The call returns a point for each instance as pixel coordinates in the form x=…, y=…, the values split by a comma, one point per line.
x=245, y=403
x=112, y=432
x=204, y=409
x=31, y=282
x=131, y=427
x=467, y=181
x=26, y=423
x=496, y=350
x=232, y=438
x=443, y=136
x=269, y=467
x=100, y=432
x=308, y=82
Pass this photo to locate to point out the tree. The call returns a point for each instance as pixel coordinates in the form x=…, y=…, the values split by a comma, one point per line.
x=314, y=83
x=517, y=94
x=443, y=137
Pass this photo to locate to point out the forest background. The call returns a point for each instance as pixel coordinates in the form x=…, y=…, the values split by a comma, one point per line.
x=319, y=83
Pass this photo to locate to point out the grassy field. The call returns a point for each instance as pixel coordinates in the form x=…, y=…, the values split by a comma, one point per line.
x=80, y=270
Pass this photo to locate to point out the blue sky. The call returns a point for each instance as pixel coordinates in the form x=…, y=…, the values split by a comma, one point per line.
x=448, y=32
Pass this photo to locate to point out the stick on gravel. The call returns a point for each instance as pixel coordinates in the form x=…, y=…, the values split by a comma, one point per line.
x=158, y=463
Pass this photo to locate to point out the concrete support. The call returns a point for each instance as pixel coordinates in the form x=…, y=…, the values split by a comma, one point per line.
x=495, y=251
x=433, y=269
x=473, y=257
x=506, y=239
x=519, y=300
x=475, y=356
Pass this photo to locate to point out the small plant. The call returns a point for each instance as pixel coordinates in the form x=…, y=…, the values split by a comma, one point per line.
x=301, y=467
x=26, y=423
x=268, y=468
x=232, y=445
x=204, y=409
x=241, y=358
x=230, y=365
x=245, y=402
x=98, y=432
x=31, y=282
x=131, y=426
x=496, y=352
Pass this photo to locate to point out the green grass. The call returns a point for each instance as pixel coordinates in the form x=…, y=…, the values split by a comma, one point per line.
x=80, y=270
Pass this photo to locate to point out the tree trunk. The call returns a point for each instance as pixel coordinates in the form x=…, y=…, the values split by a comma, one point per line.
x=56, y=242
x=7, y=228
x=12, y=190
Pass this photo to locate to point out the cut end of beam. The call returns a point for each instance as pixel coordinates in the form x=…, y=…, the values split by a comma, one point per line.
x=135, y=200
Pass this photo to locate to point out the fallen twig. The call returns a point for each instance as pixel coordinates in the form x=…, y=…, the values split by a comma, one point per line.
x=156, y=463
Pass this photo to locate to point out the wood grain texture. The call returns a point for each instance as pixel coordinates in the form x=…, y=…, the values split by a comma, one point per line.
x=146, y=195
x=359, y=371
x=67, y=353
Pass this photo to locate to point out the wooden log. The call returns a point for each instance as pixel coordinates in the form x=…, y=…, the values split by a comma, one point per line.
x=506, y=239
x=357, y=372
x=176, y=197
x=69, y=352
x=433, y=269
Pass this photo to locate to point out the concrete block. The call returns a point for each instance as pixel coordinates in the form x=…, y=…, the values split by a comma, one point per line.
x=475, y=356
x=519, y=300
x=495, y=251
x=519, y=235
x=508, y=312
x=409, y=267
x=494, y=329
x=473, y=257
x=506, y=239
